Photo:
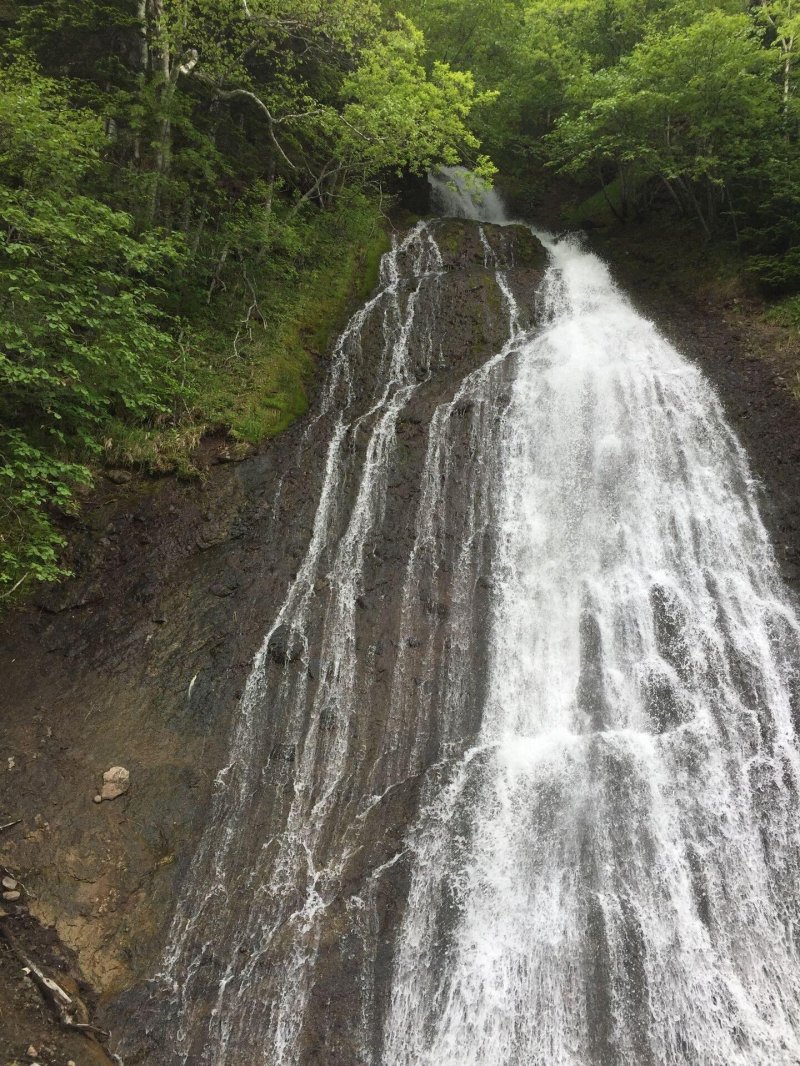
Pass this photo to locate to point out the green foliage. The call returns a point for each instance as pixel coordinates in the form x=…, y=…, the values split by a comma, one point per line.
x=687, y=106
x=81, y=335
x=250, y=364
x=772, y=233
x=189, y=190
x=303, y=296
x=399, y=117
x=786, y=312
x=32, y=482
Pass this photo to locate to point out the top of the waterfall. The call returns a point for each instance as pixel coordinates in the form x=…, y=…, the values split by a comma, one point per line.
x=458, y=193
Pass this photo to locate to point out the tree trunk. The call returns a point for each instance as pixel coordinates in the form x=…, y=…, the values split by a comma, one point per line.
x=787, y=80
x=607, y=198
x=164, y=141
x=692, y=199
x=270, y=201
x=170, y=71
x=668, y=186
x=733, y=215
x=144, y=46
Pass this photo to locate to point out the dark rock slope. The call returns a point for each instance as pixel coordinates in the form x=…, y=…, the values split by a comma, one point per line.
x=140, y=659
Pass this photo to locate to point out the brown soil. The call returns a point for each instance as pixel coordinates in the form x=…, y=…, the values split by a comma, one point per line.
x=25, y=1020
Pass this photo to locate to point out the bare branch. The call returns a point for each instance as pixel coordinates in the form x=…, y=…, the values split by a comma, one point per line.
x=327, y=171
x=299, y=114
x=13, y=589
x=232, y=94
x=65, y=1008
x=364, y=136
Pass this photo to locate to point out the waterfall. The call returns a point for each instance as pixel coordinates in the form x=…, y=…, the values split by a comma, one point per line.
x=615, y=860
x=457, y=193
x=545, y=810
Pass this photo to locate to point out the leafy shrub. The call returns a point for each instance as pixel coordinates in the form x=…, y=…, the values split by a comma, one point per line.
x=82, y=338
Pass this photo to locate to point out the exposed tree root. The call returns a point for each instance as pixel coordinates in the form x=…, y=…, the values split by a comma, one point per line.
x=70, y=1011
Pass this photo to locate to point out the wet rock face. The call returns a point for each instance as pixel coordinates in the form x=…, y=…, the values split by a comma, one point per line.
x=336, y=741
x=141, y=660
x=285, y=645
x=751, y=364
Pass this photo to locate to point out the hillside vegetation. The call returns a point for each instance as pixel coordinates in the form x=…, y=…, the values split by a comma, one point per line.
x=645, y=103
x=192, y=192
x=190, y=195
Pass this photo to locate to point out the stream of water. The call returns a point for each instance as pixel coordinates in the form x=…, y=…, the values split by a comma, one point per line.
x=604, y=859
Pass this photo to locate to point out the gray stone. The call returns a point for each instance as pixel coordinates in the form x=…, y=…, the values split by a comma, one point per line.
x=284, y=645
x=119, y=477
x=116, y=782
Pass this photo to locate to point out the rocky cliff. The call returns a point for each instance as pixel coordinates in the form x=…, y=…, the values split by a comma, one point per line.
x=141, y=660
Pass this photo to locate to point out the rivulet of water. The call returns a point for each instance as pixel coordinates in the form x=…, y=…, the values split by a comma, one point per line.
x=243, y=942
x=589, y=712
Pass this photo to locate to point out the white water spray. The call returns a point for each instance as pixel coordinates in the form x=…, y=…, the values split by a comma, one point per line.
x=456, y=193
x=609, y=876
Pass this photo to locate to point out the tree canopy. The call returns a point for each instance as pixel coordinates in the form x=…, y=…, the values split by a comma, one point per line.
x=174, y=172
x=687, y=102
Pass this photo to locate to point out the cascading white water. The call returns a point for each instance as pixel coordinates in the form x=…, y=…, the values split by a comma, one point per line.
x=610, y=874
x=593, y=679
x=457, y=193
x=284, y=880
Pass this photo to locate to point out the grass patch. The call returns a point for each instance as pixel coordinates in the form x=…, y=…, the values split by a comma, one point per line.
x=785, y=312
x=250, y=375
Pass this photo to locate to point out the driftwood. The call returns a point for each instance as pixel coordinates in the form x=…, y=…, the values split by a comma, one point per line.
x=67, y=1009
x=10, y=825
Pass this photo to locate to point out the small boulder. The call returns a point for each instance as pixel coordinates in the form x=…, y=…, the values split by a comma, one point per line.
x=119, y=477
x=11, y=897
x=9, y=884
x=32, y=1052
x=116, y=782
x=284, y=645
